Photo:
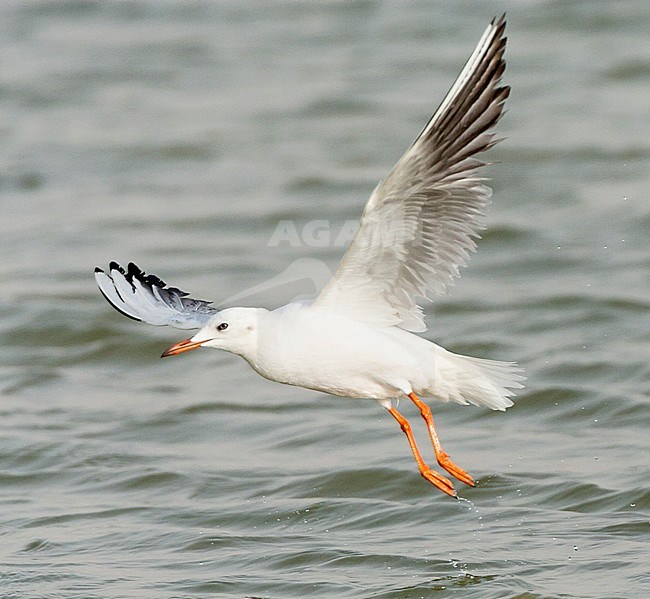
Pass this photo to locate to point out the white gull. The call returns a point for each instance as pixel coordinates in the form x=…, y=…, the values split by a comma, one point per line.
x=356, y=338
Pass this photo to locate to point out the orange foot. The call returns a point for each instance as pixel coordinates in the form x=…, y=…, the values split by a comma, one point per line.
x=445, y=462
x=439, y=481
x=443, y=458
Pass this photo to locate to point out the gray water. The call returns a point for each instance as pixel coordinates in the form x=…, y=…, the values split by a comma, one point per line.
x=181, y=135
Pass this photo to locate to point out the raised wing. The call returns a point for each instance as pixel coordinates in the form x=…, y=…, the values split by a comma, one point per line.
x=419, y=225
x=148, y=299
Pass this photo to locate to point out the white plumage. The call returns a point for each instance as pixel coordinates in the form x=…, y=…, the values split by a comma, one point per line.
x=356, y=339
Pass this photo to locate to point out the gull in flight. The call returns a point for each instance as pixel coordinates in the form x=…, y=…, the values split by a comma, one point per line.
x=358, y=338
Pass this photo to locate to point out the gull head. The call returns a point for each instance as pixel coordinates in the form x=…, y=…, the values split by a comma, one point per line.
x=234, y=330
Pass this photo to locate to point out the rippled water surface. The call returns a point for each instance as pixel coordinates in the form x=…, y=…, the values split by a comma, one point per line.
x=181, y=135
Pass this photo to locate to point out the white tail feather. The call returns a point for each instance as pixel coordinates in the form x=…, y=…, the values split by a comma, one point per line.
x=464, y=379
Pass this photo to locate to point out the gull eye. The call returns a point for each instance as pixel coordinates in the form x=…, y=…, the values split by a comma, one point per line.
x=222, y=327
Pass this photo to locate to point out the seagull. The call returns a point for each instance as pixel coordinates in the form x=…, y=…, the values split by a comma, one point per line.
x=358, y=338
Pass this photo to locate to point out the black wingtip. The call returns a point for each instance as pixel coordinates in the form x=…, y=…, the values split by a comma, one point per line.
x=133, y=271
x=97, y=269
x=115, y=266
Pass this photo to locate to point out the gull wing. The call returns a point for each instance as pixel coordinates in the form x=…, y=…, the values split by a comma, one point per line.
x=419, y=224
x=148, y=299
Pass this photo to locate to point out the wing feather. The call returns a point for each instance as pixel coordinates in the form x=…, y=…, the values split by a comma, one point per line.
x=420, y=224
x=149, y=299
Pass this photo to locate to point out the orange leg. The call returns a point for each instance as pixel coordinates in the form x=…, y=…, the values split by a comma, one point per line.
x=444, y=484
x=443, y=459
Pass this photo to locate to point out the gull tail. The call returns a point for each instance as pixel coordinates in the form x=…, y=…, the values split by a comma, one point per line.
x=464, y=379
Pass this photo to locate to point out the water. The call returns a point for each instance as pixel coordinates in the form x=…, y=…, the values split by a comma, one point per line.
x=180, y=135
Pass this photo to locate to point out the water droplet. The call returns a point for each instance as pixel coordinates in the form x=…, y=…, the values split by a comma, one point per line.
x=575, y=548
x=632, y=504
x=604, y=247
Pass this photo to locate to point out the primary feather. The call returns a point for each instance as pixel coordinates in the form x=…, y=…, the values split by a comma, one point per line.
x=149, y=299
x=419, y=224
